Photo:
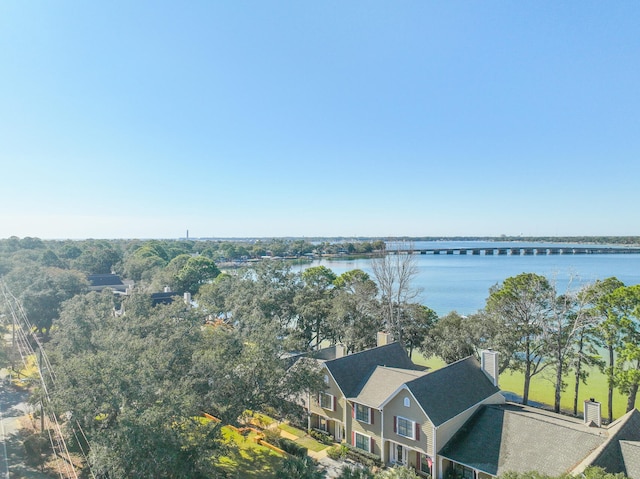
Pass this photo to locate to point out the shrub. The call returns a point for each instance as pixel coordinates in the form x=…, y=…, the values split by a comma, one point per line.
x=272, y=436
x=363, y=457
x=337, y=452
x=322, y=437
x=292, y=447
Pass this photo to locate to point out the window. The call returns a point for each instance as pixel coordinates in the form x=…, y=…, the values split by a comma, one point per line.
x=407, y=402
x=326, y=401
x=323, y=424
x=463, y=472
x=361, y=441
x=425, y=464
x=362, y=413
x=405, y=427
x=326, y=379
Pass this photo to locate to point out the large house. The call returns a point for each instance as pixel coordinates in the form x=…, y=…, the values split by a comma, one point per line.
x=455, y=421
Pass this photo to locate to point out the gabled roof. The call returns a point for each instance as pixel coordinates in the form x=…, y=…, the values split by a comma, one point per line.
x=621, y=453
x=451, y=390
x=510, y=437
x=351, y=372
x=382, y=383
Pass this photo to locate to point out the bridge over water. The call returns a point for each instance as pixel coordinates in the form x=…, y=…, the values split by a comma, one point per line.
x=521, y=250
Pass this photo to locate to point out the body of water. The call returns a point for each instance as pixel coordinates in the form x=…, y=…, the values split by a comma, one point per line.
x=461, y=282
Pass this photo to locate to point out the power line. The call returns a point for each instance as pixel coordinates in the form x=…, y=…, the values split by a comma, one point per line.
x=22, y=343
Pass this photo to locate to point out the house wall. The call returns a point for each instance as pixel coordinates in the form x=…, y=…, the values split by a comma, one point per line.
x=339, y=403
x=396, y=407
x=373, y=430
x=446, y=431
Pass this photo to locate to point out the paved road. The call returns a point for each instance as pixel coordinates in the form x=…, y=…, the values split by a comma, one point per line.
x=13, y=406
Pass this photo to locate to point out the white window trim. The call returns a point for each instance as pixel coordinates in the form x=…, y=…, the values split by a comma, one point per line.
x=356, y=433
x=331, y=401
x=370, y=411
x=407, y=402
x=413, y=428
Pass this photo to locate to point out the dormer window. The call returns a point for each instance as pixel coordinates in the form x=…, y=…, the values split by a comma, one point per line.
x=407, y=402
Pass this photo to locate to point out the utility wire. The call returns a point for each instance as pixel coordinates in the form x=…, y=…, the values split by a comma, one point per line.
x=23, y=344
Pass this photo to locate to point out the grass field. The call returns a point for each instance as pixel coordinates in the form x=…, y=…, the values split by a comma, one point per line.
x=542, y=387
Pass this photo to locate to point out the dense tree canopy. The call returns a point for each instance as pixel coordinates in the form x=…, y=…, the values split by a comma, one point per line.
x=137, y=377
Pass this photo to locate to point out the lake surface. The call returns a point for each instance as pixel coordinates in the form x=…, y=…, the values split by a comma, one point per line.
x=461, y=282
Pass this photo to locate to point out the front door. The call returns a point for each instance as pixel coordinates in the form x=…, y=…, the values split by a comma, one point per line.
x=399, y=453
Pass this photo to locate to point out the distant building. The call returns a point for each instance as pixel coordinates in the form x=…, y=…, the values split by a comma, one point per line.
x=99, y=282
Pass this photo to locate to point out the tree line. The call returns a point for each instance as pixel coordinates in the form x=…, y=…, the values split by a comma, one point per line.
x=136, y=378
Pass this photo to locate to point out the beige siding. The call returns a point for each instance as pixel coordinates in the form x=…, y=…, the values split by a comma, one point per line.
x=338, y=413
x=449, y=428
x=396, y=407
x=372, y=430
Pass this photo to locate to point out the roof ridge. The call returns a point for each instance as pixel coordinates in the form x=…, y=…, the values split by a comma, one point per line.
x=365, y=351
x=445, y=368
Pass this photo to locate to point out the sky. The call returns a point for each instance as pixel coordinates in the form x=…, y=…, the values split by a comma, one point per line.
x=265, y=118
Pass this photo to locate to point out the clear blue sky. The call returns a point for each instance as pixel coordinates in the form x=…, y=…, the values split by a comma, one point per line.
x=142, y=119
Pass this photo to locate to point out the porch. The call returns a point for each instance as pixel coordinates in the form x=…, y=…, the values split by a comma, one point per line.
x=333, y=428
x=453, y=470
x=400, y=454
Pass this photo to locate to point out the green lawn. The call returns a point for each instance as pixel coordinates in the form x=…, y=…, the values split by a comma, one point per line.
x=311, y=444
x=292, y=430
x=542, y=387
x=249, y=460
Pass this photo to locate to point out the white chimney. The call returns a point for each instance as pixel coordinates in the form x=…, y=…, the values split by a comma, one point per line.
x=340, y=350
x=167, y=289
x=490, y=365
x=187, y=298
x=592, y=412
x=383, y=338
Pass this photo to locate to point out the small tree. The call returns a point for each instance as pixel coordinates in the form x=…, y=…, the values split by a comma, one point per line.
x=300, y=468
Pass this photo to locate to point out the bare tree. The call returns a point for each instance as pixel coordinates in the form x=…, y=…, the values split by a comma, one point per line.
x=394, y=272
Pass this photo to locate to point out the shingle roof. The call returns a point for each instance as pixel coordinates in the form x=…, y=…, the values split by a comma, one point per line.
x=104, y=280
x=615, y=456
x=509, y=437
x=352, y=371
x=382, y=383
x=163, y=298
x=631, y=455
x=446, y=392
